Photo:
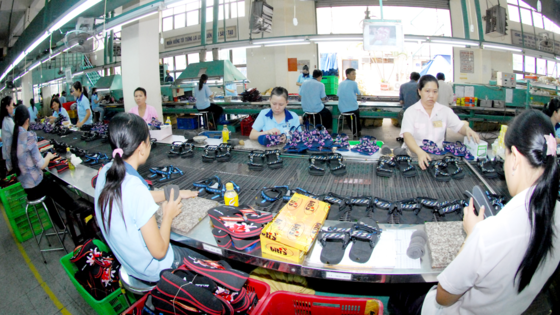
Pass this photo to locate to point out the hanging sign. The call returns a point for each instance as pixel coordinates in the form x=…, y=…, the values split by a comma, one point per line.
x=194, y=38
x=383, y=35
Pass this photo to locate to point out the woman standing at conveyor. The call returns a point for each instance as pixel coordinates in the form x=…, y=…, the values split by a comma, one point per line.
x=303, y=76
x=82, y=104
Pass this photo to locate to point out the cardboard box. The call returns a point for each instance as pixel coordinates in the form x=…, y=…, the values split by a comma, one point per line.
x=298, y=222
x=271, y=247
x=161, y=134
x=476, y=149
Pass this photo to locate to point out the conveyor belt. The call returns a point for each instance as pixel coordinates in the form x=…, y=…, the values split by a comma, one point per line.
x=361, y=179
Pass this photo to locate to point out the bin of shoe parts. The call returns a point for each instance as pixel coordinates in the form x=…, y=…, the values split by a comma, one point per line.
x=14, y=200
x=262, y=289
x=187, y=123
x=286, y=303
x=114, y=303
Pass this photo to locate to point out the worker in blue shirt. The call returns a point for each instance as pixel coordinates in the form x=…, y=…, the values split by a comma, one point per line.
x=347, y=100
x=231, y=89
x=312, y=97
x=277, y=120
x=62, y=98
x=33, y=112
x=168, y=77
x=96, y=106
x=82, y=104
x=408, y=94
x=303, y=76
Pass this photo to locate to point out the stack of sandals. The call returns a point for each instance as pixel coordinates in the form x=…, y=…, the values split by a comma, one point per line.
x=367, y=146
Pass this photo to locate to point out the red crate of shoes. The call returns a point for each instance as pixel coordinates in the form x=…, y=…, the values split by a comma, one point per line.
x=247, y=126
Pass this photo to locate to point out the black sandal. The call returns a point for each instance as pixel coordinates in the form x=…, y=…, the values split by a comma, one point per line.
x=256, y=160
x=176, y=149
x=404, y=163
x=385, y=167
x=209, y=155
x=438, y=169
x=486, y=168
x=453, y=167
x=361, y=207
x=269, y=196
x=339, y=207
x=316, y=160
x=335, y=164
x=274, y=161
x=224, y=152
x=381, y=204
x=407, y=211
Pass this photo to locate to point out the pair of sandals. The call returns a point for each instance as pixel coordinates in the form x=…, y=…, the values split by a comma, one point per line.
x=96, y=158
x=220, y=153
x=334, y=161
x=270, y=195
x=457, y=149
x=62, y=131
x=431, y=147
x=403, y=162
x=180, y=149
x=446, y=169
x=59, y=146
x=214, y=187
x=491, y=168
x=166, y=173
x=334, y=240
x=257, y=159
x=368, y=146
x=59, y=163
x=90, y=136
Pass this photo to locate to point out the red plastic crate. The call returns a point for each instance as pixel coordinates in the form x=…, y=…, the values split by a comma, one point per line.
x=247, y=126
x=261, y=288
x=286, y=303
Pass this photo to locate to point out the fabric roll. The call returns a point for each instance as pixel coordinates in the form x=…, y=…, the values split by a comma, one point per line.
x=421, y=234
x=417, y=243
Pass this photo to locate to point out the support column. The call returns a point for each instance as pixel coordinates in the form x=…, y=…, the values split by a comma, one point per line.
x=140, y=61
x=27, y=88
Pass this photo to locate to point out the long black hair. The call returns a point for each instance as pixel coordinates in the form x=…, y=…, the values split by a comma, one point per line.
x=552, y=107
x=78, y=86
x=526, y=133
x=20, y=117
x=6, y=101
x=201, y=81
x=32, y=103
x=126, y=131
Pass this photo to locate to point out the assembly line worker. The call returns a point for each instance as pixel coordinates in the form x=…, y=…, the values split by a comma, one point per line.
x=33, y=112
x=427, y=119
x=506, y=259
x=312, y=97
x=7, y=124
x=95, y=106
x=552, y=110
x=142, y=109
x=62, y=98
x=203, y=95
x=58, y=110
x=277, y=120
x=28, y=164
x=125, y=207
x=231, y=89
x=445, y=91
x=347, y=100
x=303, y=76
x=82, y=104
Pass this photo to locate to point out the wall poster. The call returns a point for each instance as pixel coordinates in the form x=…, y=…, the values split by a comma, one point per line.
x=466, y=58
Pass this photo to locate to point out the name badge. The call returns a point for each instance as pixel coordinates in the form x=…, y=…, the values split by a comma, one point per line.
x=438, y=124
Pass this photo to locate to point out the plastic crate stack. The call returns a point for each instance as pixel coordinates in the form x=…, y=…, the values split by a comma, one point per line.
x=14, y=200
x=331, y=84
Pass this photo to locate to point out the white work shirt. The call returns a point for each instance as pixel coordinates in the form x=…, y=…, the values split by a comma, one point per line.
x=484, y=271
x=124, y=236
x=421, y=126
x=445, y=93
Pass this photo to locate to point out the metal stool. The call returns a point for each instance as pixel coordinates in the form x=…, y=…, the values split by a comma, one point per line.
x=313, y=115
x=34, y=204
x=132, y=284
x=203, y=118
x=341, y=117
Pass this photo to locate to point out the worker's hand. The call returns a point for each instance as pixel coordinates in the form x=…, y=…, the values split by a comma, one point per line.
x=79, y=124
x=171, y=208
x=470, y=219
x=273, y=131
x=472, y=135
x=186, y=194
x=50, y=156
x=424, y=160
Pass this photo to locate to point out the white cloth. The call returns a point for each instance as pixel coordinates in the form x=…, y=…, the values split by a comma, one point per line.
x=445, y=93
x=484, y=271
x=124, y=236
x=422, y=126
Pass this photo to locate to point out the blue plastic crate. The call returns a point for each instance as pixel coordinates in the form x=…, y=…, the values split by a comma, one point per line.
x=212, y=134
x=187, y=123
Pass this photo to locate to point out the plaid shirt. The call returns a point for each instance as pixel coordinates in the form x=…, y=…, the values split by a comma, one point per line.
x=30, y=159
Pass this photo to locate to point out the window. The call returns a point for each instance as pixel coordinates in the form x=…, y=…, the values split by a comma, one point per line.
x=529, y=64
x=517, y=62
x=541, y=66
x=537, y=19
x=513, y=13
x=530, y=16
x=552, y=69
x=188, y=13
x=169, y=62
x=193, y=58
x=180, y=62
x=117, y=70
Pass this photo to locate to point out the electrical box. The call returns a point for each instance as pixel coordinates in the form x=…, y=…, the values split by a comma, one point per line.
x=496, y=21
x=506, y=79
x=261, y=17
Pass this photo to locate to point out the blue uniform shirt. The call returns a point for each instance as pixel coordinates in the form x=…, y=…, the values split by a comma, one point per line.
x=231, y=86
x=83, y=105
x=302, y=79
x=265, y=121
x=62, y=100
x=32, y=113
x=63, y=112
x=312, y=91
x=557, y=130
x=347, y=100
x=94, y=98
x=202, y=97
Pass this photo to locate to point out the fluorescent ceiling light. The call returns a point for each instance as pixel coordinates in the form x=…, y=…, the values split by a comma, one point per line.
x=178, y=3
x=327, y=38
x=279, y=41
x=78, y=73
x=36, y=43
x=558, y=58
x=131, y=20
x=51, y=57
x=102, y=90
x=447, y=44
x=338, y=42
x=74, y=13
x=455, y=42
x=241, y=47
x=19, y=58
x=35, y=66
x=287, y=44
x=501, y=48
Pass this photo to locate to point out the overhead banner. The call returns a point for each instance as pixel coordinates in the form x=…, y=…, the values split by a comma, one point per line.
x=383, y=35
x=194, y=38
x=535, y=42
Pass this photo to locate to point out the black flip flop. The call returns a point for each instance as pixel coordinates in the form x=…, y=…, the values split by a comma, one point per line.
x=404, y=163
x=334, y=243
x=455, y=171
x=438, y=169
x=224, y=152
x=317, y=161
x=485, y=166
x=336, y=166
x=209, y=155
x=274, y=161
x=339, y=207
x=364, y=238
x=269, y=196
x=256, y=160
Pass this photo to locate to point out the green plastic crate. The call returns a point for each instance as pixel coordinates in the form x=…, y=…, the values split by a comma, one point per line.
x=20, y=226
x=114, y=303
x=12, y=196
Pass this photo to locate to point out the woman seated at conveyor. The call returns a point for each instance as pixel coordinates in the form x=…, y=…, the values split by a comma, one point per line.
x=58, y=110
x=506, y=259
x=428, y=119
x=552, y=110
x=277, y=120
x=125, y=208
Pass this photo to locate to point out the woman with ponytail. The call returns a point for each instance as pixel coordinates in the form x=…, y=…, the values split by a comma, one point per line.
x=552, y=110
x=506, y=259
x=7, y=125
x=33, y=112
x=28, y=165
x=203, y=97
x=125, y=208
